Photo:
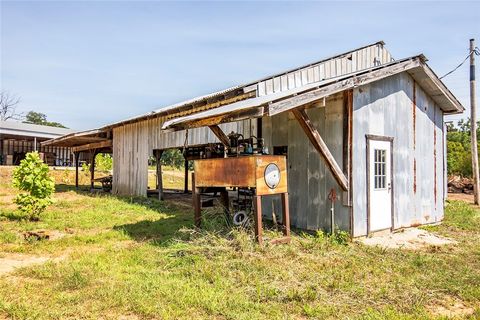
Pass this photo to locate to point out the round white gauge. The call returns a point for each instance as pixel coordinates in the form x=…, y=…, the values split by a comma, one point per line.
x=272, y=175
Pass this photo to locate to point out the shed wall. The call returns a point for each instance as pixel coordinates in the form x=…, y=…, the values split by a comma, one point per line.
x=309, y=180
x=133, y=144
x=397, y=107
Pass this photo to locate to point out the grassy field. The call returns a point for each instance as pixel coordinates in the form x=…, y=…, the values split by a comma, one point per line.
x=136, y=258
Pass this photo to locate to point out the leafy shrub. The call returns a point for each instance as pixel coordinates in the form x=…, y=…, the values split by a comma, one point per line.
x=33, y=177
x=339, y=237
x=103, y=162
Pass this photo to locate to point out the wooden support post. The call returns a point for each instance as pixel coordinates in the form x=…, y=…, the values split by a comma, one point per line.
x=158, y=157
x=257, y=200
x=225, y=200
x=220, y=134
x=77, y=160
x=317, y=141
x=286, y=215
x=197, y=204
x=92, y=170
x=473, y=126
x=185, y=190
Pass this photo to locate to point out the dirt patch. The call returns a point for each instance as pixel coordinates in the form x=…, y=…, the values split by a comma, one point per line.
x=412, y=239
x=10, y=262
x=450, y=308
x=461, y=197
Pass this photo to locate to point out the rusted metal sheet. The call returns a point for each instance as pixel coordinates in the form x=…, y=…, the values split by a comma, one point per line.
x=225, y=172
x=243, y=171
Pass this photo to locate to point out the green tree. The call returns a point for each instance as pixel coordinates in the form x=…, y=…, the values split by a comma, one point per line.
x=41, y=119
x=173, y=158
x=32, y=177
x=459, y=159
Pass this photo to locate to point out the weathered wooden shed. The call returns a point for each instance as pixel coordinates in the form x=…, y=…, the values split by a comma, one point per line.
x=360, y=123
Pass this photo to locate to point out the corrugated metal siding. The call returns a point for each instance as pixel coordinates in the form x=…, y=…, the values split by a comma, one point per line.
x=357, y=60
x=387, y=108
x=309, y=181
x=133, y=143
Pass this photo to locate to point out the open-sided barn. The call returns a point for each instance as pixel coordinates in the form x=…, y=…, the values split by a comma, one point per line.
x=367, y=126
x=18, y=138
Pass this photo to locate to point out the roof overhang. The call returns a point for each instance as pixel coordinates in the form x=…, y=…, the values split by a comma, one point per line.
x=270, y=105
x=81, y=141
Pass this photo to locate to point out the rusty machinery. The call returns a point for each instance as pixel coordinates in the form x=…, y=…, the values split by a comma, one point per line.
x=252, y=173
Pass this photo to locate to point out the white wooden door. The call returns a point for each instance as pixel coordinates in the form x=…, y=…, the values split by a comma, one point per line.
x=380, y=185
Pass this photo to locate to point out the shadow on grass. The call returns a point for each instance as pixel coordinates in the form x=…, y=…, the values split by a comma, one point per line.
x=154, y=231
x=14, y=216
x=157, y=232
x=176, y=207
x=59, y=188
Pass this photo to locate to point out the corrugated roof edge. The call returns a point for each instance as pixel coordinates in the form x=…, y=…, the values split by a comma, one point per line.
x=168, y=108
x=22, y=126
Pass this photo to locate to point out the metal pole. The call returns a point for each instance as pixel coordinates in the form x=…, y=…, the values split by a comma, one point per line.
x=473, y=119
x=34, y=143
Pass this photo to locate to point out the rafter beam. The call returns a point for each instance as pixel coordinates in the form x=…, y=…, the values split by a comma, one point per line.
x=95, y=145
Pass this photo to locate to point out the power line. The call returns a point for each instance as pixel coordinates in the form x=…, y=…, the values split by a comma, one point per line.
x=476, y=51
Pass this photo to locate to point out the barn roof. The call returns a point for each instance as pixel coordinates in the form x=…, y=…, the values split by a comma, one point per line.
x=20, y=129
x=248, y=87
x=274, y=93
x=286, y=100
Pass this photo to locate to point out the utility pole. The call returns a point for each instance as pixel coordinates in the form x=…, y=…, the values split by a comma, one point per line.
x=473, y=119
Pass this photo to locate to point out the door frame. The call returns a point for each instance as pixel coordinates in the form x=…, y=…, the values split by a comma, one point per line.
x=370, y=137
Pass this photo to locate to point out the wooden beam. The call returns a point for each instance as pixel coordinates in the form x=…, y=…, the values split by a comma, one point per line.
x=77, y=159
x=197, y=204
x=158, y=157
x=257, y=203
x=361, y=79
x=285, y=215
x=92, y=171
x=317, y=141
x=185, y=189
x=94, y=145
x=192, y=121
x=348, y=143
x=220, y=134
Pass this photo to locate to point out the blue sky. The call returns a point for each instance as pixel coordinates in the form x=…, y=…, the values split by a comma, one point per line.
x=86, y=64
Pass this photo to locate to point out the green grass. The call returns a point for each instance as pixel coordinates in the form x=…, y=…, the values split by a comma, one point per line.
x=141, y=258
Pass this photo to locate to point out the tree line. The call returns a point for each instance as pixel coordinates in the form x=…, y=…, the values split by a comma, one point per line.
x=459, y=151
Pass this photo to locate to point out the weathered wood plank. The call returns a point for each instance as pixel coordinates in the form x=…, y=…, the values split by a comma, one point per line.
x=95, y=145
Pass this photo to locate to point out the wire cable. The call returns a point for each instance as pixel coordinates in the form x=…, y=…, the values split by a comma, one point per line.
x=476, y=51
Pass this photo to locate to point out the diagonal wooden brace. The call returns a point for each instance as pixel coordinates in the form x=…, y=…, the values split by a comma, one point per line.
x=321, y=147
x=220, y=134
